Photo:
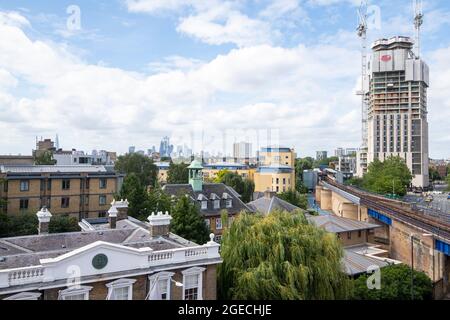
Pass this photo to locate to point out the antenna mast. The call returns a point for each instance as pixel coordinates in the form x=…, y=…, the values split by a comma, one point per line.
x=362, y=34
x=418, y=21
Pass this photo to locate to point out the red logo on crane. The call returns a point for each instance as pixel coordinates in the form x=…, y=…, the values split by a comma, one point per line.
x=386, y=58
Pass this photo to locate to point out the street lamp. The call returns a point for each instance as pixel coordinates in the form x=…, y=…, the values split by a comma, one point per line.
x=412, y=260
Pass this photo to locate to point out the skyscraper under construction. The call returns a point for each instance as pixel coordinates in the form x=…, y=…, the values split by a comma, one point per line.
x=397, y=109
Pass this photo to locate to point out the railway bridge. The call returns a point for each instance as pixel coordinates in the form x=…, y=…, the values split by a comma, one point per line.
x=409, y=235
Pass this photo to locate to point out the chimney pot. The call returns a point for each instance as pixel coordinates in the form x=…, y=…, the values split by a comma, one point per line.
x=112, y=217
x=44, y=217
x=159, y=224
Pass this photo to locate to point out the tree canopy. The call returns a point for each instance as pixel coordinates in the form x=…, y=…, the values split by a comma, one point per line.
x=178, y=173
x=142, y=166
x=280, y=257
x=245, y=187
x=187, y=221
x=295, y=198
x=391, y=175
x=46, y=158
x=395, y=285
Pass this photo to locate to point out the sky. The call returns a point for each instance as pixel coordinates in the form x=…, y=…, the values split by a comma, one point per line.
x=111, y=74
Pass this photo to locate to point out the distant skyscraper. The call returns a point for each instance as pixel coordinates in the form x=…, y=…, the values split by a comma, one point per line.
x=242, y=150
x=57, y=142
x=339, y=152
x=165, y=148
x=131, y=149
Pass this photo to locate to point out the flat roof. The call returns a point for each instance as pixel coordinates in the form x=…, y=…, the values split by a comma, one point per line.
x=51, y=169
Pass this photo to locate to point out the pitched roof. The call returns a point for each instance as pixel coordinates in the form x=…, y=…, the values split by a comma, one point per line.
x=359, y=259
x=209, y=190
x=335, y=224
x=27, y=251
x=267, y=205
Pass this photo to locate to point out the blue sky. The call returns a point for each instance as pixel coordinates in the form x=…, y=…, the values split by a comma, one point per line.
x=200, y=71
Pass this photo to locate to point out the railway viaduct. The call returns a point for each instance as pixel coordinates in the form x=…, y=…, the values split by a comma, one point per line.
x=410, y=237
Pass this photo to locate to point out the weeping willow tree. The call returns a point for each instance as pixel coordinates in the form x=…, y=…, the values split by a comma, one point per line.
x=280, y=257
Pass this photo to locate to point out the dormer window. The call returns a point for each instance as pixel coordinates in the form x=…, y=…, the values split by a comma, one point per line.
x=204, y=205
x=216, y=204
x=229, y=203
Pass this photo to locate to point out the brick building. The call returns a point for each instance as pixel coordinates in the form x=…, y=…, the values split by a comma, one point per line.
x=113, y=258
x=82, y=191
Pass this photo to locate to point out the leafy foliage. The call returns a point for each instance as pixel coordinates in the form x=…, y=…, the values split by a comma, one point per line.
x=434, y=174
x=178, y=173
x=46, y=158
x=395, y=285
x=245, y=187
x=280, y=257
x=187, y=221
x=384, y=177
x=61, y=223
x=295, y=198
x=142, y=166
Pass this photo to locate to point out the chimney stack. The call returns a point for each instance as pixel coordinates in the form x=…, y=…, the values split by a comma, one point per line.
x=112, y=217
x=159, y=224
x=44, y=220
x=122, y=209
x=269, y=194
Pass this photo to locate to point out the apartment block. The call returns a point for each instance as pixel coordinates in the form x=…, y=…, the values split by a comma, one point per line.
x=79, y=191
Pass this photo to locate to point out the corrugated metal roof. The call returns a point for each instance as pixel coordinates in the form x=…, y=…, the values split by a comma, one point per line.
x=356, y=263
x=335, y=224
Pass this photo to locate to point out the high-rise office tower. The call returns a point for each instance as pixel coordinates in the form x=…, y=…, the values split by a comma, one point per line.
x=397, y=111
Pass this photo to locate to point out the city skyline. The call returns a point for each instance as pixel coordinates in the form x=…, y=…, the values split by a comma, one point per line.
x=184, y=82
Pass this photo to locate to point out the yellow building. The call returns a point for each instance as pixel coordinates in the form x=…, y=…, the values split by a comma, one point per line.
x=210, y=171
x=274, y=155
x=81, y=191
x=276, y=171
x=163, y=170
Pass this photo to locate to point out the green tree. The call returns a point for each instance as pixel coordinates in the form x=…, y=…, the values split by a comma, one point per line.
x=434, y=174
x=280, y=256
x=158, y=200
x=187, y=221
x=142, y=166
x=178, y=173
x=136, y=193
x=391, y=175
x=245, y=187
x=303, y=164
x=395, y=285
x=23, y=224
x=46, y=158
x=295, y=198
x=62, y=223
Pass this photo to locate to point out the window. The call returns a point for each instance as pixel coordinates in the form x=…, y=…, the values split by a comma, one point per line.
x=24, y=185
x=77, y=293
x=218, y=238
x=24, y=204
x=284, y=180
x=42, y=185
x=193, y=283
x=103, y=183
x=204, y=205
x=87, y=183
x=229, y=203
x=66, y=184
x=49, y=185
x=121, y=289
x=102, y=200
x=102, y=214
x=349, y=235
x=216, y=204
x=65, y=202
x=208, y=223
x=218, y=223
x=359, y=233
x=163, y=291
